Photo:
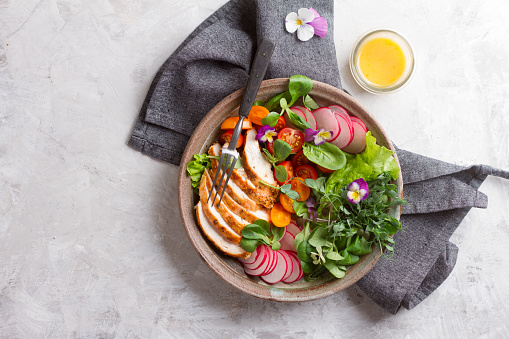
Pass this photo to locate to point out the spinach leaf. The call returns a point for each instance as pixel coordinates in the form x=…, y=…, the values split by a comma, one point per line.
x=297, y=120
x=337, y=271
x=258, y=103
x=298, y=86
x=300, y=208
x=271, y=119
x=261, y=232
x=326, y=155
x=310, y=103
x=277, y=232
x=281, y=150
x=273, y=103
x=359, y=246
x=348, y=259
x=249, y=245
x=319, y=237
x=281, y=174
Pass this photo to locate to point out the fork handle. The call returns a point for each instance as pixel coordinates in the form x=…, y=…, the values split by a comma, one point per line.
x=256, y=75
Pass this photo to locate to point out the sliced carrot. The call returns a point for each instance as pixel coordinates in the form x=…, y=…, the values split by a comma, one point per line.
x=279, y=216
x=287, y=203
x=257, y=113
x=300, y=187
x=231, y=122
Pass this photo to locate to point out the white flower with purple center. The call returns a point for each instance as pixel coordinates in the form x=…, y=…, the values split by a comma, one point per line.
x=318, y=137
x=266, y=134
x=307, y=22
x=357, y=191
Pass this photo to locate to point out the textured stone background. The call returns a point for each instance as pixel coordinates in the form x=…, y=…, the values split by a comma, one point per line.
x=91, y=242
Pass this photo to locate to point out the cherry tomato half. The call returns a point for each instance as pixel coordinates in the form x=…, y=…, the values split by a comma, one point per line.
x=306, y=172
x=270, y=147
x=300, y=159
x=289, y=171
x=324, y=170
x=279, y=216
x=286, y=202
x=300, y=187
x=293, y=137
x=281, y=123
x=227, y=136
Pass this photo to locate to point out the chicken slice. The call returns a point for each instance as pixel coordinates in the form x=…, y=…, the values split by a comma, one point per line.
x=226, y=246
x=260, y=193
x=234, y=207
x=258, y=169
x=214, y=216
x=233, y=220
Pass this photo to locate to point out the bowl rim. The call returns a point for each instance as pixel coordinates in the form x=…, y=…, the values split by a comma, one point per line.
x=214, y=260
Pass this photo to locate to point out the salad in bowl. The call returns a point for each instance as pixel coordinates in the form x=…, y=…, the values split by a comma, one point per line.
x=313, y=201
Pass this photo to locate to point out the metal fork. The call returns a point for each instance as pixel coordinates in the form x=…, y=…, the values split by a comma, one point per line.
x=229, y=155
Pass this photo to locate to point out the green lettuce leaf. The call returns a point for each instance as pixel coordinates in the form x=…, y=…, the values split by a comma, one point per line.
x=368, y=164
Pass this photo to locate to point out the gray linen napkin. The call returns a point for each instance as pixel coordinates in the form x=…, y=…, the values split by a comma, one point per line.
x=439, y=196
x=214, y=61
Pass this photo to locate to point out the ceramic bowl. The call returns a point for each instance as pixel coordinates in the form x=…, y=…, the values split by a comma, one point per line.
x=229, y=269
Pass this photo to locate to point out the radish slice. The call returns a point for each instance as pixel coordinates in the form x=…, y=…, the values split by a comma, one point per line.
x=288, y=242
x=272, y=261
x=260, y=270
x=345, y=137
x=289, y=262
x=297, y=271
x=327, y=120
x=252, y=258
x=338, y=110
x=310, y=118
x=358, y=143
x=296, y=111
x=262, y=257
x=279, y=270
x=360, y=122
x=293, y=229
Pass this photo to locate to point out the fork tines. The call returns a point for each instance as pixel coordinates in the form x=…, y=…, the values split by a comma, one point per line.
x=228, y=158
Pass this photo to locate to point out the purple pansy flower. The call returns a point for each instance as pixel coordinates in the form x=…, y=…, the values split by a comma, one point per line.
x=266, y=134
x=357, y=191
x=307, y=22
x=319, y=24
x=318, y=137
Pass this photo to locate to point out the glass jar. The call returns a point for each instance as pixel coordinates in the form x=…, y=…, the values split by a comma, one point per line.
x=384, y=52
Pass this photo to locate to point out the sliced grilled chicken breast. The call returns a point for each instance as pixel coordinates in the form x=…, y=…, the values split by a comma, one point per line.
x=233, y=220
x=226, y=246
x=236, y=208
x=259, y=169
x=214, y=216
x=259, y=193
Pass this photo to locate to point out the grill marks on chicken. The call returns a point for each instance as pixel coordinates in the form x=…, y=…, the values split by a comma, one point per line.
x=245, y=199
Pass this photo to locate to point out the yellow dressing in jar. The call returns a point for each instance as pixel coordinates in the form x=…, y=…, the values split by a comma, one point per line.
x=381, y=61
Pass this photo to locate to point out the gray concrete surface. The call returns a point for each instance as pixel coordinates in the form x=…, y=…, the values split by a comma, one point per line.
x=91, y=242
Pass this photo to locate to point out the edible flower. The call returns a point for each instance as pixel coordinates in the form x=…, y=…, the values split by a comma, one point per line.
x=318, y=137
x=307, y=22
x=357, y=191
x=319, y=24
x=310, y=204
x=266, y=134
